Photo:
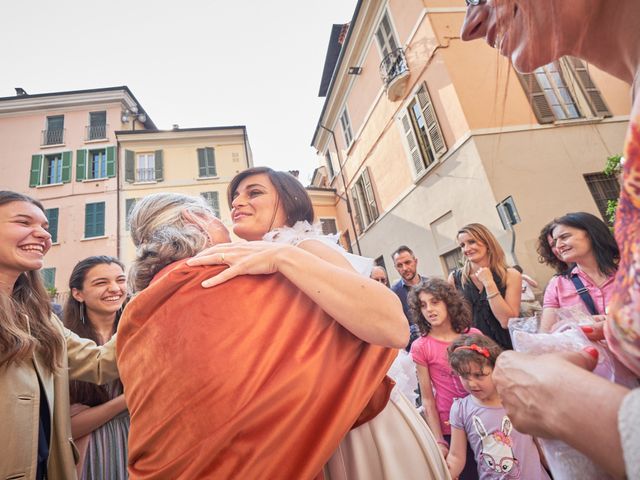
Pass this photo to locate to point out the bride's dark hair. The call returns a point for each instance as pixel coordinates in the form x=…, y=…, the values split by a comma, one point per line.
x=293, y=197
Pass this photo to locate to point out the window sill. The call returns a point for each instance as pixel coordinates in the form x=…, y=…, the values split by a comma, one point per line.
x=53, y=244
x=97, y=140
x=86, y=239
x=53, y=145
x=215, y=177
x=89, y=180
x=578, y=121
x=146, y=182
x=426, y=171
x=47, y=185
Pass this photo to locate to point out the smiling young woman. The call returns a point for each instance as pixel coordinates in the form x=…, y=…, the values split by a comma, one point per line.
x=37, y=355
x=99, y=417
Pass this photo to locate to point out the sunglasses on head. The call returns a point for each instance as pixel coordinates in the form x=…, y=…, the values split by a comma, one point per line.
x=474, y=3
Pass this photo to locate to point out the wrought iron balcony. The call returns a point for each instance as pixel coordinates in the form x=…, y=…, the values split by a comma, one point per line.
x=145, y=175
x=395, y=73
x=96, y=132
x=52, y=136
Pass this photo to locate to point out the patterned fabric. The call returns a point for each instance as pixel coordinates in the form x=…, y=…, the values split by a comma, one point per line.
x=623, y=328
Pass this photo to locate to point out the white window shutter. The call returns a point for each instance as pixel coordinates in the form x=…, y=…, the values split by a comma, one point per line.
x=436, y=138
x=412, y=143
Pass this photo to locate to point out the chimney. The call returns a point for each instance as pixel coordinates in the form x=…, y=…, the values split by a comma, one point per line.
x=20, y=92
x=176, y=126
x=295, y=173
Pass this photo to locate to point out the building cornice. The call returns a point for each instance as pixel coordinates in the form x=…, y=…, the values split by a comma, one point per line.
x=128, y=136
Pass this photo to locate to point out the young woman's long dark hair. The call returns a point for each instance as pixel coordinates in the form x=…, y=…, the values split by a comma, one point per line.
x=84, y=392
x=25, y=323
x=604, y=246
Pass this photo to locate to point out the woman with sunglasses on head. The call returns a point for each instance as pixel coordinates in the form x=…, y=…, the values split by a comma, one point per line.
x=604, y=33
x=38, y=355
x=99, y=417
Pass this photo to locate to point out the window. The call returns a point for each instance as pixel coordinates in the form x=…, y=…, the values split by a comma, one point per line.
x=385, y=37
x=452, y=260
x=332, y=172
x=48, y=277
x=423, y=137
x=365, y=206
x=143, y=167
x=50, y=169
x=97, y=128
x=94, y=220
x=329, y=226
x=52, y=215
x=54, y=133
x=95, y=164
x=146, y=167
x=563, y=90
x=129, y=203
x=346, y=128
x=213, y=201
x=603, y=188
x=346, y=239
x=206, y=162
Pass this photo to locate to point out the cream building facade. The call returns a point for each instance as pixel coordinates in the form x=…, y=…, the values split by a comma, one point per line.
x=192, y=161
x=423, y=133
x=61, y=148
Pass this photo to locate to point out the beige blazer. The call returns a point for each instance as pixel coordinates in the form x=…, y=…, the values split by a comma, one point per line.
x=82, y=359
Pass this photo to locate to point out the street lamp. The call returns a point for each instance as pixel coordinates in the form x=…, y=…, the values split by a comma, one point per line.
x=344, y=184
x=133, y=114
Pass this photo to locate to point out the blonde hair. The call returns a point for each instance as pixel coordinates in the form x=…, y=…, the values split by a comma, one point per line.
x=497, y=260
x=165, y=228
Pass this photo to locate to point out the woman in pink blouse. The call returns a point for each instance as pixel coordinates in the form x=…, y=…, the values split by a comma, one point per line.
x=586, y=241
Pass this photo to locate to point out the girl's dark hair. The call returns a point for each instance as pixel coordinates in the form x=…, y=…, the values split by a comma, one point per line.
x=84, y=392
x=545, y=254
x=295, y=200
x=460, y=358
x=603, y=244
x=25, y=315
x=457, y=306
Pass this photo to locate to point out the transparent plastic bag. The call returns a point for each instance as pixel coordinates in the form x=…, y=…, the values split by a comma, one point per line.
x=565, y=462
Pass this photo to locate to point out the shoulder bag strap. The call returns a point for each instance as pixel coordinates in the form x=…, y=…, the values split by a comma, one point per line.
x=584, y=293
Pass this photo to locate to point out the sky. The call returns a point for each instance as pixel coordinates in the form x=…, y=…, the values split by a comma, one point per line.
x=195, y=63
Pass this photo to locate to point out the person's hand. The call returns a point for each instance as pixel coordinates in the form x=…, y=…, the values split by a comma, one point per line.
x=444, y=449
x=248, y=258
x=595, y=332
x=485, y=276
x=526, y=382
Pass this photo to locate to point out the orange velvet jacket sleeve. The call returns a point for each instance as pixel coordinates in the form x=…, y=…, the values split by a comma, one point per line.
x=248, y=380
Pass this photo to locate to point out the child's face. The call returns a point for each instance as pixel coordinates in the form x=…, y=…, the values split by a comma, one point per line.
x=433, y=309
x=478, y=382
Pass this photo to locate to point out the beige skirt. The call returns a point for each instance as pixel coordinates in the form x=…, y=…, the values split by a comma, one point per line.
x=396, y=445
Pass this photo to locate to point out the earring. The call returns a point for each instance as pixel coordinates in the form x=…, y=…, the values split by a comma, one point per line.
x=82, y=312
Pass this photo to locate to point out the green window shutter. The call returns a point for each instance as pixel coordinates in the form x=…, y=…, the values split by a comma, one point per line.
x=129, y=203
x=211, y=161
x=94, y=220
x=111, y=162
x=129, y=166
x=66, y=167
x=159, y=165
x=36, y=170
x=537, y=98
x=52, y=215
x=202, y=163
x=81, y=165
x=48, y=277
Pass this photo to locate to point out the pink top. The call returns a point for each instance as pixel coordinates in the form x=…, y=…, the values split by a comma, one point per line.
x=561, y=292
x=432, y=353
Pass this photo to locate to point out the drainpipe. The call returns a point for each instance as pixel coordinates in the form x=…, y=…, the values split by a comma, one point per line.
x=344, y=183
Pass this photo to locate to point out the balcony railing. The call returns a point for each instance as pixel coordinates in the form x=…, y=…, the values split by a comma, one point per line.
x=96, y=132
x=393, y=65
x=145, y=175
x=52, y=136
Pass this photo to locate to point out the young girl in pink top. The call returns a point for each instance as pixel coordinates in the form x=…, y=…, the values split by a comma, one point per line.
x=442, y=314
